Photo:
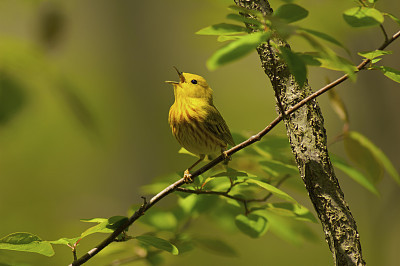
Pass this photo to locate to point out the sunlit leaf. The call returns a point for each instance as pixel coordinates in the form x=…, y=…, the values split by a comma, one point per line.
x=330, y=61
x=243, y=19
x=252, y=225
x=224, y=38
x=188, y=203
x=236, y=49
x=391, y=73
x=158, y=243
x=373, y=54
x=276, y=191
x=184, y=151
x=105, y=225
x=65, y=241
x=216, y=245
x=296, y=65
x=363, y=17
x=291, y=13
x=26, y=242
x=161, y=220
x=353, y=174
x=222, y=29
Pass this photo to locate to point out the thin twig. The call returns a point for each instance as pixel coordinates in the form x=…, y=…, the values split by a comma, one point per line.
x=219, y=159
x=384, y=32
x=226, y=193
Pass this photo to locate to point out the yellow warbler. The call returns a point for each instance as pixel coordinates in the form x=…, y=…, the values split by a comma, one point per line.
x=195, y=121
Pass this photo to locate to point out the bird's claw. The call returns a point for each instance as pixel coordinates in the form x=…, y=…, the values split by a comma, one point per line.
x=227, y=158
x=187, y=177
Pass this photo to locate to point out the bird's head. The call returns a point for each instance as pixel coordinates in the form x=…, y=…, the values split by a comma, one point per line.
x=191, y=86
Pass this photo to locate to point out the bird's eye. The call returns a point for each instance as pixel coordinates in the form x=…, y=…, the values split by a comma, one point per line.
x=193, y=81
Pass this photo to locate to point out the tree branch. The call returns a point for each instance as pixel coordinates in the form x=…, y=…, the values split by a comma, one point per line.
x=171, y=188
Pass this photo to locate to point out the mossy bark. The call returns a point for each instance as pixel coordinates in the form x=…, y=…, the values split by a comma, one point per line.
x=308, y=140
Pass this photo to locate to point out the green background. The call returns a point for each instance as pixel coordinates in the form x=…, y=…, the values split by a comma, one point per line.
x=86, y=125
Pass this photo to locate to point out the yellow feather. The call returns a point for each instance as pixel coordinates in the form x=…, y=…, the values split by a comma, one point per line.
x=195, y=121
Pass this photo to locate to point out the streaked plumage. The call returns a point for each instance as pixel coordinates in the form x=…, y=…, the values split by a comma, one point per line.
x=194, y=120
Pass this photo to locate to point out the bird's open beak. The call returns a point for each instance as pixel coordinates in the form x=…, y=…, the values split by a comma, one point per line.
x=181, y=77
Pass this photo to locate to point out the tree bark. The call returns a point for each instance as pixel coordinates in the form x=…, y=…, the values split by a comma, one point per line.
x=308, y=140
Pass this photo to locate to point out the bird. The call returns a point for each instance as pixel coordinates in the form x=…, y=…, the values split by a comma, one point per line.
x=195, y=122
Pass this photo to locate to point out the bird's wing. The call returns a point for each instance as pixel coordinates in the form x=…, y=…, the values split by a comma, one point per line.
x=216, y=124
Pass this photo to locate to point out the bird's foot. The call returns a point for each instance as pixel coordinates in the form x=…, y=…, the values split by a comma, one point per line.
x=187, y=177
x=227, y=158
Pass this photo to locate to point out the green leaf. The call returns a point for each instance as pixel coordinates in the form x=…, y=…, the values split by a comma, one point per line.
x=252, y=225
x=362, y=157
x=394, y=18
x=287, y=228
x=276, y=191
x=243, y=19
x=328, y=55
x=26, y=242
x=363, y=17
x=330, y=61
x=231, y=173
x=277, y=168
x=65, y=241
x=373, y=54
x=158, y=243
x=376, y=60
x=184, y=151
x=188, y=203
x=377, y=153
x=290, y=13
x=161, y=220
x=323, y=36
x=391, y=73
x=224, y=38
x=296, y=65
x=353, y=173
x=289, y=209
x=236, y=49
x=369, y=157
x=104, y=225
x=216, y=245
x=222, y=29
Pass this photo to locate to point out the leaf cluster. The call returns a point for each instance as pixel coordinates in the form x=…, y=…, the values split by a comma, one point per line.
x=279, y=26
